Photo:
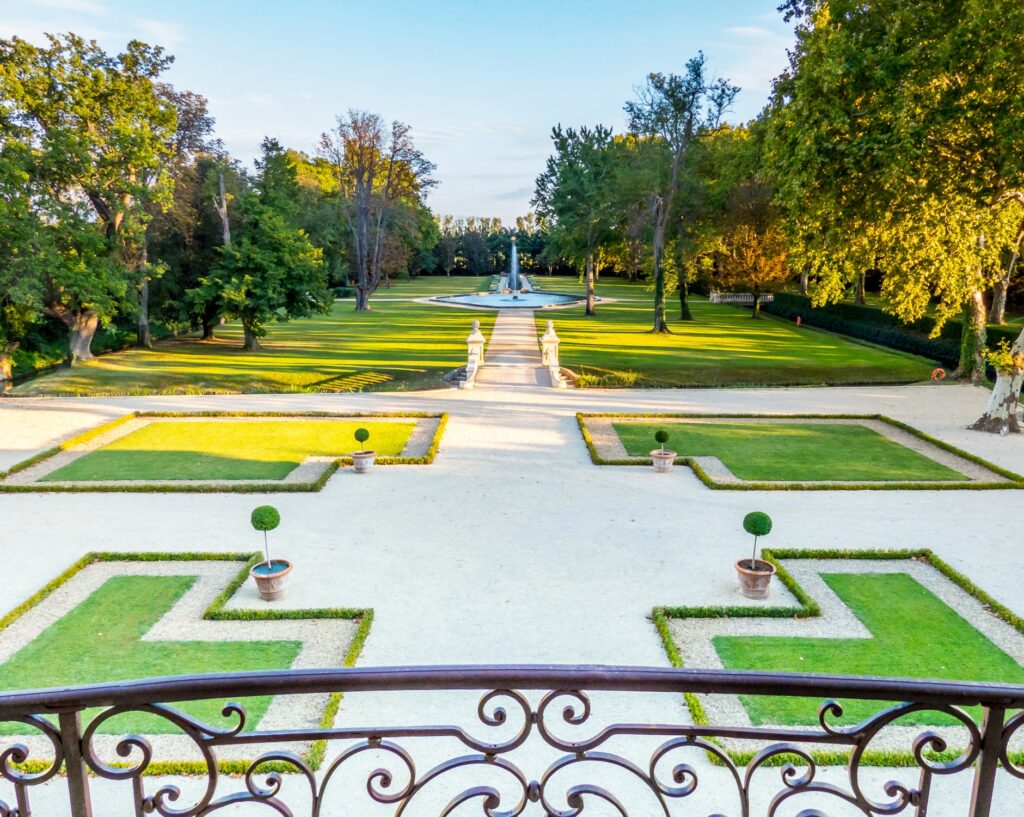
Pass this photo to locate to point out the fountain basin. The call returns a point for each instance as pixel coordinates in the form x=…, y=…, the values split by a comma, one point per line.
x=498, y=300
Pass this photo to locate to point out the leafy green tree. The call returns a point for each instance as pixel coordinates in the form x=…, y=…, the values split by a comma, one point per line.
x=672, y=112
x=894, y=138
x=379, y=172
x=573, y=192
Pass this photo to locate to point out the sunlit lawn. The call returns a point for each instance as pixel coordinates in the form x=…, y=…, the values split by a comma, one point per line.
x=101, y=640
x=395, y=346
x=723, y=346
x=228, y=449
x=914, y=634
x=790, y=452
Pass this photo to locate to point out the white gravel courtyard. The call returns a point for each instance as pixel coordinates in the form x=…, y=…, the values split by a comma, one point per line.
x=512, y=547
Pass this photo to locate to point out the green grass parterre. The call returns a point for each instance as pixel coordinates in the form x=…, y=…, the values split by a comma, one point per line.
x=217, y=612
x=807, y=607
x=1013, y=480
x=249, y=487
x=791, y=451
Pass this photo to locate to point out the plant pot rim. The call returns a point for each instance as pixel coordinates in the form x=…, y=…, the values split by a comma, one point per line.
x=364, y=453
x=742, y=566
x=276, y=574
x=667, y=452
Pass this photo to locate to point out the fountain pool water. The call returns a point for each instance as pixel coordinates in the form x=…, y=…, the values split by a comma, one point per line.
x=519, y=293
x=498, y=300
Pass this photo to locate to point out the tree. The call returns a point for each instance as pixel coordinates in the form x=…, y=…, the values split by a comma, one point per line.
x=894, y=137
x=573, y=192
x=1000, y=416
x=447, y=243
x=673, y=112
x=270, y=272
x=100, y=131
x=377, y=171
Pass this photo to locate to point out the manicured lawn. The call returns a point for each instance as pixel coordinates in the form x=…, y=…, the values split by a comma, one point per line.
x=396, y=346
x=723, y=346
x=790, y=452
x=228, y=449
x=100, y=641
x=915, y=635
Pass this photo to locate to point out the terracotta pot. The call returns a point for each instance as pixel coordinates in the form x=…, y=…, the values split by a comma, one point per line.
x=272, y=584
x=362, y=461
x=663, y=460
x=755, y=577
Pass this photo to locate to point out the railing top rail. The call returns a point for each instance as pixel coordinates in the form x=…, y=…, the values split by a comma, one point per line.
x=521, y=677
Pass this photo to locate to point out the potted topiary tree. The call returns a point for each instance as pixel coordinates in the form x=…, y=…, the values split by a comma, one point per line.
x=755, y=574
x=362, y=460
x=271, y=575
x=662, y=457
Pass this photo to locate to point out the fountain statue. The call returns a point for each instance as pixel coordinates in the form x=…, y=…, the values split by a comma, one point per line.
x=513, y=271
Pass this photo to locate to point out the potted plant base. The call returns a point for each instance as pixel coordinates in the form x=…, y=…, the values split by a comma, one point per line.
x=663, y=459
x=362, y=461
x=272, y=578
x=755, y=577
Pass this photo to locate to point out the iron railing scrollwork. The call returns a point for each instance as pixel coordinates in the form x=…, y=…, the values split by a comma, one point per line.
x=588, y=762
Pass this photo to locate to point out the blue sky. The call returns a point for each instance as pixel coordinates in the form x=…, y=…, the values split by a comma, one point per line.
x=481, y=82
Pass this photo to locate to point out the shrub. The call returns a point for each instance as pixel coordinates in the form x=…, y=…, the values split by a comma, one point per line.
x=362, y=435
x=757, y=523
x=661, y=436
x=264, y=518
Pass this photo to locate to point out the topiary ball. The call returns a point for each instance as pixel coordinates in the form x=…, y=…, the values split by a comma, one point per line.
x=757, y=523
x=362, y=435
x=661, y=436
x=265, y=517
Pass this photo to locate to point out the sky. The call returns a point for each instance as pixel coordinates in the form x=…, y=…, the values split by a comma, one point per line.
x=481, y=82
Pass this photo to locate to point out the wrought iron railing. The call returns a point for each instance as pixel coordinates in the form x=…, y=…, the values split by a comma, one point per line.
x=531, y=706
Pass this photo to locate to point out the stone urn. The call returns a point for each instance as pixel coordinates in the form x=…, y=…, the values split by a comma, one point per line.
x=362, y=461
x=272, y=578
x=755, y=577
x=663, y=459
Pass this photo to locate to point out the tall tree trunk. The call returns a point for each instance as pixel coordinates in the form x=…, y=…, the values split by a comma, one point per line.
x=7, y=366
x=81, y=329
x=362, y=298
x=143, y=337
x=684, y=298
x=1000, y=416
x=220, y=204
x=997, y=311
x=756, y=313
x=660, y=323
x=590, y=283
x=860, y=292
x=805, y=274
x=972, y=341
x=252, y=341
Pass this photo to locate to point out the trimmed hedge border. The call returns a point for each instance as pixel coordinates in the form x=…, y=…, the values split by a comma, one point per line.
x=216, y=612
x=1015, y=481
x=807, y=607
x=249, y=488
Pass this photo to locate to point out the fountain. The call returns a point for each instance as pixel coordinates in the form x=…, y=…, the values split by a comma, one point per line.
x=517, y=293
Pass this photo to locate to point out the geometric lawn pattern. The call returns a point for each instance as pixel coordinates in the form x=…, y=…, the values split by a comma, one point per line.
x=122, y=619
x=897, y=617
x=223, y=451
x=780, y=452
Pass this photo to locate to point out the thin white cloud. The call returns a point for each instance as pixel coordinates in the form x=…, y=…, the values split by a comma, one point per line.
x=456, y=133
x=259, y=100
x=753, y=56
x=77, y=6
x=158, y=32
